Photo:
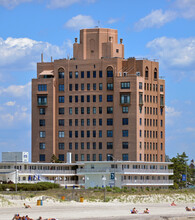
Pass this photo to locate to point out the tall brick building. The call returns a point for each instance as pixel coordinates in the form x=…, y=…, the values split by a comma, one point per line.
x=98, y=105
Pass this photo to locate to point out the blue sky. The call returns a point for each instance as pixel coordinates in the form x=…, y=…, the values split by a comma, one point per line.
x=163, y=30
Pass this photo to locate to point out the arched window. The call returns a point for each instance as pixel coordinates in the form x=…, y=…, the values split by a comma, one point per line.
x=109, y=71
x=146, y=72
x=61, y=73
x=155, y=73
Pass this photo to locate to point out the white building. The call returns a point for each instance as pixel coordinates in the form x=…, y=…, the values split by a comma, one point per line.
x=90, y=173
x=15, y=157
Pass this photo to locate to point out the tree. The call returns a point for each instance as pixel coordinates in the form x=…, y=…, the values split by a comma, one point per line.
x=180, y=167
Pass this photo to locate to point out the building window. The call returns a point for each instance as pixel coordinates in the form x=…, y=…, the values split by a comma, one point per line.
x=155, y=73
x=42, y=87
x=140, y=85
x=61, y=73
x=146, y=73
x=61, y=134
x=100, y=157
x=109, y=133
x=42, y=111
x=109, y=110
x=161, y=146
x=82, y=74
x=70, y=134
x=94, y=74
x=140, y=157
x=76, y=98
x=42, y=100
x=125, y=85
x=94, y=86
x=61, y=111
x=94, y=110
x=82, y=146
x=88, y=86
x=94, y=157
x=109, y=71
x=61, y=87
x=100, y=121
x=100, y=74
x=94, y=133
x=82, y=110
x=109, y=145
x=76, y=157
x=70, y=111
x=82, y=98
x=100, y=110
x=94, y=98
x=61, y=99
x=109, y=157
x=42, y=122
x=94, y=122
x=88, y=134
x=100, y=133
x=109, y=98
x=70, y=75
x=125, y=121
x=82, y=134
x=70, y=99
x=100, y=86
x=61, y=146
x=70, y=87
x=82, y=122
x=125, y=98
x=88, y=110
x=109, y=121
x=109, y=86
x=76, y=87
x=125, y=145
x=88, y=74
x=82, y=157
x=42, y=157
x=88, y=157
x=76, y=134
x=70, y=146
x=42, y=134
x=94, y=145
x=41, y=146
x=61, y=122
x=100, y=145
x=76, y=145
x=100, y=98
x=82, y=86
x=161, y=88
x=125, y=109
x=76, y=74
x=125, y=157
x=61, y=157
x=125, y=133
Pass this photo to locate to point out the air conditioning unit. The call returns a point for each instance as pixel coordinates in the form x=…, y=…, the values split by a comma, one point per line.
x=138, y=74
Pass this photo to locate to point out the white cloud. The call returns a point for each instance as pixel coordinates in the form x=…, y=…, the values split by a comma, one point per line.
x=186, y=8
x=23, y=53
x=171, y=114
x=10, y=4
x=112, y=20
x=10, y=103
x=155, y=19
x=66, y=3
x=80, y=21
x=16, y=90
x=175, y=54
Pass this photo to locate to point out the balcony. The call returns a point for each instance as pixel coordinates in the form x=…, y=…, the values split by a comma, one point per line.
x=48, y=172
x=101, y=170
x=147, y=182
x=42, y=103
x=148, y=171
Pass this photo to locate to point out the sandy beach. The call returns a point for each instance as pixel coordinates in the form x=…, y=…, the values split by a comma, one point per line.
x=63, y=210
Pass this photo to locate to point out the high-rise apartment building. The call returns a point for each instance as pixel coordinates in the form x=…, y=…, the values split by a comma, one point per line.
x=98, y=105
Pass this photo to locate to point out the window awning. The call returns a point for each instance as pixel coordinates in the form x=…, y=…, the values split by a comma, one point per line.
x=47, y=72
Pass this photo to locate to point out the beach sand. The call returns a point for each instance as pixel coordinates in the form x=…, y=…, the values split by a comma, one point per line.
x=64, y=210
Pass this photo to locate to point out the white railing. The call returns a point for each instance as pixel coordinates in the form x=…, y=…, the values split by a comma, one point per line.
x=168, y=171
x=100, y=170
x=47, y=171
x=103, y=170
x=149, y=182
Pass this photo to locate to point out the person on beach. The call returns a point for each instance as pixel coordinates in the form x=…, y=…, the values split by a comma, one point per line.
x=173, y=204
x=27, y=206
x=146, y=211
x=134, y=211
x=193, y=208
x=188, y=209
